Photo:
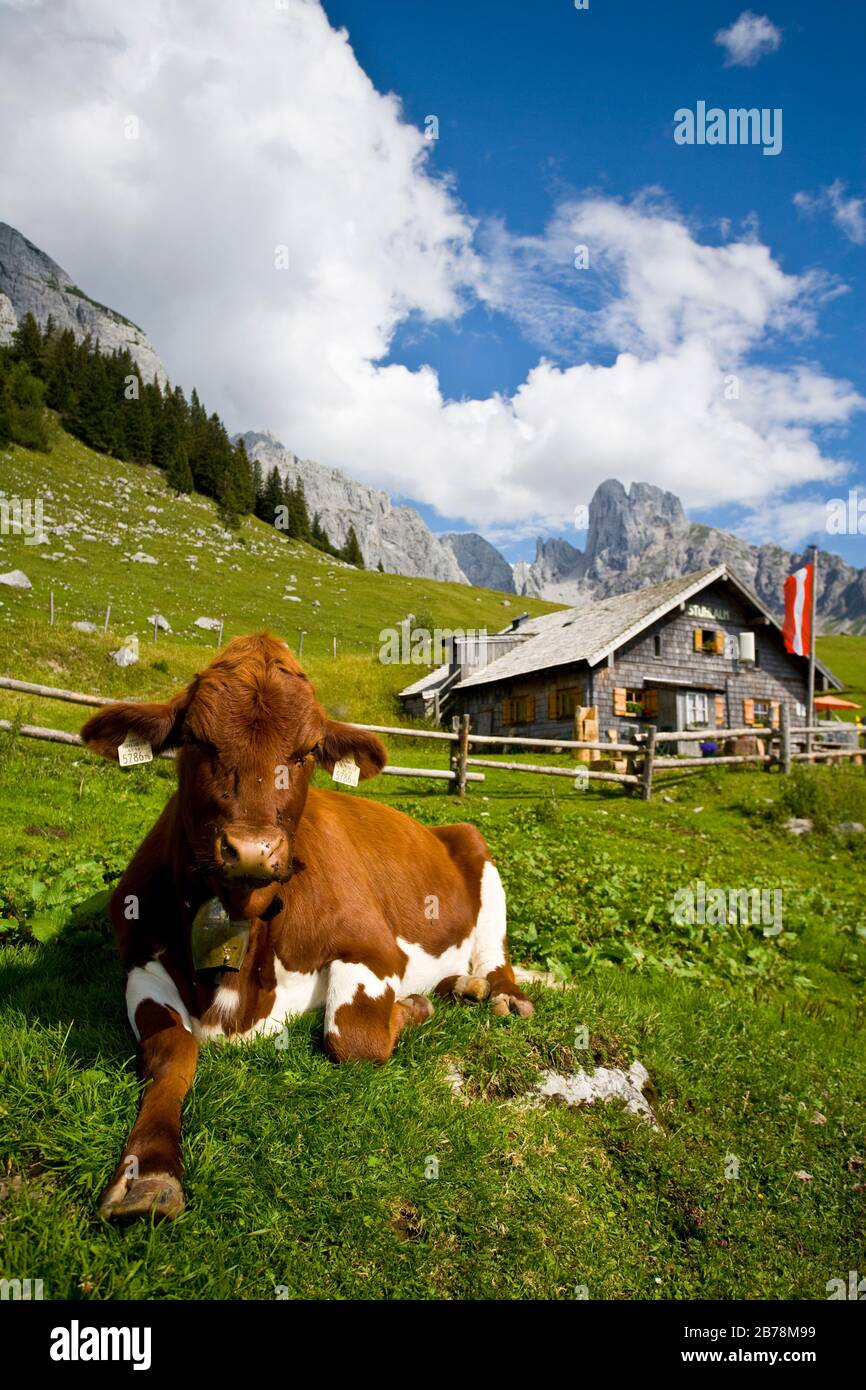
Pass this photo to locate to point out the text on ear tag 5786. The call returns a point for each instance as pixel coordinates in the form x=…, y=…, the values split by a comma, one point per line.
x=346, y=771
x=134, y=750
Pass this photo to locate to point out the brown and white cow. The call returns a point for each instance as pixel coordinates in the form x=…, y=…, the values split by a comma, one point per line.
x=352, y=906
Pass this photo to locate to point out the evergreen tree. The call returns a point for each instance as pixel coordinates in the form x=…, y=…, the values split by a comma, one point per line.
x=299, y=517
x=60, y=357
x=319, y=536
x=23, y=419
x=138, y=430
x=27, y=345
x=246, y=481
x=178, y=474
x=258, y=489
x=351, y=550
x=272, y=497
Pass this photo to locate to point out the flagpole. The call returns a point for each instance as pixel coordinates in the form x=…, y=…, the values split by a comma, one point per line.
x=810, y=702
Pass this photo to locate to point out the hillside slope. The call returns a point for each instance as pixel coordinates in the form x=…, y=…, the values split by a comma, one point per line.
x=116, y=535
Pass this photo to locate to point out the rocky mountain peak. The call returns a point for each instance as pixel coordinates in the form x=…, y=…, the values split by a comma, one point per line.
x=31, y=282
x=622, y=524
x=480, y=561
x=642, y=536
x=394, y=536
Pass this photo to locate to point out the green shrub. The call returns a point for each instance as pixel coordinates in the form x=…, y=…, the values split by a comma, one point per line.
x=824, y=795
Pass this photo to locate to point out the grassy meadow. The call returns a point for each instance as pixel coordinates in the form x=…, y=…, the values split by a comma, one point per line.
x=440, y=1175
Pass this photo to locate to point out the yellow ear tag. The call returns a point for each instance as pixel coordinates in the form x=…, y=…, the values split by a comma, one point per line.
x=346, y=771
x=133, y=751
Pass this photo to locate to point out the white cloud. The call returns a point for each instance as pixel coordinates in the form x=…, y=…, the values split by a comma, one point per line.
x=786, y=523
x=848, y=213
x=748, y=39
x=259, y=129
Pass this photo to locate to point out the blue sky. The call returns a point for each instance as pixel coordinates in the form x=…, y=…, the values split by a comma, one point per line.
x=409, y=310
x=539, y=102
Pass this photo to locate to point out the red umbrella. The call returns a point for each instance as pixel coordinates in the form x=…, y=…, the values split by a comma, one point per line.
x=833, y=702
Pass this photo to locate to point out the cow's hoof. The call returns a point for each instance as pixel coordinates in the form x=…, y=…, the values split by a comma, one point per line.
x=504, y=1004
x=417, y=1007
x=471, y=987
x=160, y=1195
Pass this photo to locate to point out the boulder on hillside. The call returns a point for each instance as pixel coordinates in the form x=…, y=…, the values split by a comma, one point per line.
x=127, y=652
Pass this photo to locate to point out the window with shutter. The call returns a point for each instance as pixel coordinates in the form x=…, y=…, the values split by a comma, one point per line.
x=619, y=701
x=748, y=711
x=529, y=710
x=720, y=711
x=709, y=640
x=776, y=712
x=562, y=704
x=650, y=704
x=763, y=712
x=508, y=711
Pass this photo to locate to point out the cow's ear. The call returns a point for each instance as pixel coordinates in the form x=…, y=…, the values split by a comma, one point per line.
x=159, y=724
x=342, y=741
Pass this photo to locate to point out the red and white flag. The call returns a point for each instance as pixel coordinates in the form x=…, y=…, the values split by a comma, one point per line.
x=797, y=627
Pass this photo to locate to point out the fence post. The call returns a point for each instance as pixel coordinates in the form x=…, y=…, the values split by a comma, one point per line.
x=51, y=607
x=460, y=768
x=107, y=616
x=648, y=756
x=785, y=735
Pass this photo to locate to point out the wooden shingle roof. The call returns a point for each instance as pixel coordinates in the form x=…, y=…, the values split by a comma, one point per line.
x=593, y=633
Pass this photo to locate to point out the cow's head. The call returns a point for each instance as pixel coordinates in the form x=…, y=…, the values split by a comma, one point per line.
x=250, y=732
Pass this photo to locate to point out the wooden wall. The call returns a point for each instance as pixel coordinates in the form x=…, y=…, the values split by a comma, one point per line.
x=776, y=676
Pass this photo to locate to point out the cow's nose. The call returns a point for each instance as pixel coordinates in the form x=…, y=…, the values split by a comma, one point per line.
x=253, y=856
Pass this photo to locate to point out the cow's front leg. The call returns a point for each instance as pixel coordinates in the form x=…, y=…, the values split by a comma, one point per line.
x=363, y=1016
x=148, y=1178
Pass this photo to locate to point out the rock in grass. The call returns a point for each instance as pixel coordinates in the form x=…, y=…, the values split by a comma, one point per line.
x=798, y=825
x=127, y=653
x=604, y=1083
x=16, y=579
x=849, y=827
x=209, y=624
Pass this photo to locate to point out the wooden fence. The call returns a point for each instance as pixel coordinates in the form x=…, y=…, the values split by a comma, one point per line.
x=772, y=746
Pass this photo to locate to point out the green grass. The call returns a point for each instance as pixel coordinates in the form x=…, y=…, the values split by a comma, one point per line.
x=846, y=657
x=313, y=1179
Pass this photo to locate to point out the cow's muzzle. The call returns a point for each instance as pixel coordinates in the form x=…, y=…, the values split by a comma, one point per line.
x=263, y=857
